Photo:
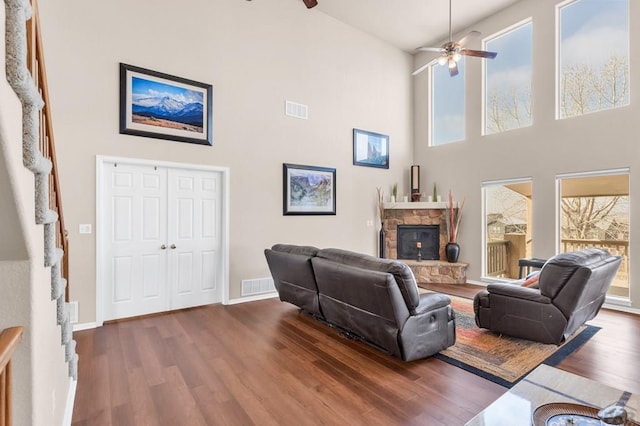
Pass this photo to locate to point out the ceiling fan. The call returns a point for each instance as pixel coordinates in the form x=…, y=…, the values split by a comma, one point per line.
x=451, y=52
x=310, y=3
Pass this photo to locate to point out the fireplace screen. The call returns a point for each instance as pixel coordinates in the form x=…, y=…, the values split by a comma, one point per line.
x=427, y=235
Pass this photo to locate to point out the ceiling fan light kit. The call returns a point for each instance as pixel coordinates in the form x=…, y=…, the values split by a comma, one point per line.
x=451, y=52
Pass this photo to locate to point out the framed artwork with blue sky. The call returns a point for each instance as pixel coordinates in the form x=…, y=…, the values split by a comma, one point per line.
x=370, y=149
x=164, y=106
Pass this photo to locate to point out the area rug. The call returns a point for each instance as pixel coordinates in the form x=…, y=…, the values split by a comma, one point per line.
x=501, y=359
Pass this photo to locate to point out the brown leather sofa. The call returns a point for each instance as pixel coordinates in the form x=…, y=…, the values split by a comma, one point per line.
x=571, y=290
x=375, y=300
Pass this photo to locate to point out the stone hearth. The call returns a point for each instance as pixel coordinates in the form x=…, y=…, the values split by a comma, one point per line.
x=422, y=213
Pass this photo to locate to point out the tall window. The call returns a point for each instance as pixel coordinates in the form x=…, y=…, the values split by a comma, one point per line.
x=508, y=80
x=594, y=212
x=507, y=212
x=447, y=105
x=593, y=68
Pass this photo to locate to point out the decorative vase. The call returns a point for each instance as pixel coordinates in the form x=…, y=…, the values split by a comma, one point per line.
x=452, y=251
x=381, y=244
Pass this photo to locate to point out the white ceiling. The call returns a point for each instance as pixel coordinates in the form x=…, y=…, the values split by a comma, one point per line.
x=408, y=24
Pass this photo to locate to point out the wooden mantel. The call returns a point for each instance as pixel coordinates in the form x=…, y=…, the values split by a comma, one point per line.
x=422, y=205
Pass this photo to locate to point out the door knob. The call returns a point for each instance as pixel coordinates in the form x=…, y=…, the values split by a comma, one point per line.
x=173, y=246
x=163, y=247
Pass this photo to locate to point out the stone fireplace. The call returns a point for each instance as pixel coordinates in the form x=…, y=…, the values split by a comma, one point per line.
x=421, y=216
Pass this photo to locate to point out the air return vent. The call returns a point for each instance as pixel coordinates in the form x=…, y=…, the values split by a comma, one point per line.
x=296, y=110
x=257, y=286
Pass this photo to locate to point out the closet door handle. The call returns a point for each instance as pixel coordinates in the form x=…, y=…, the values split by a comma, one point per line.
x=173, y=246
x=163, y=247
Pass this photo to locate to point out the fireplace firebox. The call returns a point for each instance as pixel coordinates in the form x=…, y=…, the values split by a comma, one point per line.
x=427, y=235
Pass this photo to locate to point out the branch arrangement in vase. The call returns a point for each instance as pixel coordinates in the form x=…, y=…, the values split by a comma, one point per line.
x=453, y=216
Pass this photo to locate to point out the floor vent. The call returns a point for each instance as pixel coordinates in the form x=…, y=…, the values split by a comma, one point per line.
x=257, y=286
x=296, y=110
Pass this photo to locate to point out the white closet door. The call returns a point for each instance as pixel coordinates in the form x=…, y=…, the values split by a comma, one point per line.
x=134, y=233
x=194, y=238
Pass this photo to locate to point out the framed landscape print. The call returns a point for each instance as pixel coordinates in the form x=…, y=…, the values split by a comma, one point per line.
x=370, y=149
x=308, y=190
x=163, y=106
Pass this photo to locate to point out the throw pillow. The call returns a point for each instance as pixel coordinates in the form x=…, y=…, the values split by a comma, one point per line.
x=532, y=280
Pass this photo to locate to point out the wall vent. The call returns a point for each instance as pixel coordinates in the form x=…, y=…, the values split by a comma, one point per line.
x=293, y=109
x=257, y=286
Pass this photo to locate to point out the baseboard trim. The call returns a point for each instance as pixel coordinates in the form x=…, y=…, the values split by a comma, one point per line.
x=71, y=397
x=252, y=298
x=85, y=326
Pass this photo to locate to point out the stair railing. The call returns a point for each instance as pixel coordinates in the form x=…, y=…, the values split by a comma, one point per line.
x=9, y=340
x=35, y=64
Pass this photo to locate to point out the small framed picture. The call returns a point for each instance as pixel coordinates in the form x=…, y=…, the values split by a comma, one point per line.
x=370, y=149
x=308, y=190
x=164, y=106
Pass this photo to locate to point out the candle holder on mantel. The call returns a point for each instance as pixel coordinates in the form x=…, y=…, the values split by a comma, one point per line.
x=415, y=183
x=419, y=247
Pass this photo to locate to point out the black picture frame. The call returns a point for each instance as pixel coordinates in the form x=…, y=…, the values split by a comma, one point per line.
x=308, y=190
x=370, y=149
x=163, y=106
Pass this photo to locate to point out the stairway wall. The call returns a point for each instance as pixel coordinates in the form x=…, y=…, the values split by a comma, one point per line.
x=40, y=376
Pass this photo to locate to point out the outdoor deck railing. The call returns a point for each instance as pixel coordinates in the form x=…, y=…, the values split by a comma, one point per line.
x=498, y=256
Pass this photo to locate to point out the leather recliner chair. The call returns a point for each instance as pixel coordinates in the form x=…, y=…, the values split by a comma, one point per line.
x=571, y=290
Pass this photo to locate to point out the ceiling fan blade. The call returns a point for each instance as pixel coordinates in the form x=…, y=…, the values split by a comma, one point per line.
x=425, y=66
x=310, y=3
x=429, y=49
x=453, y=68
x=466, y=38
x=478, y=53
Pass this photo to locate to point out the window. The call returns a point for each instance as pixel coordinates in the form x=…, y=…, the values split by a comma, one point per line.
x=508, y=80
x=507, y=237
x=447, y=105
x=594, y=212
x=593, y=67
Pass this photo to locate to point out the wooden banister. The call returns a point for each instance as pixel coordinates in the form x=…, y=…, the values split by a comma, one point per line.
x=9, y=341
x=35, y=63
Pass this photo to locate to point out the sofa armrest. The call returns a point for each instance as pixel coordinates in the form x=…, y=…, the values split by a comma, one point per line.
x=525, y=293
x=430, y=301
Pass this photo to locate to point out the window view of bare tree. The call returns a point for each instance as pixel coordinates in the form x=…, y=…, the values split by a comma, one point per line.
x=508, y=109
x=508, y=80
x=593, y=63
x=600, y=220
x=586, y=88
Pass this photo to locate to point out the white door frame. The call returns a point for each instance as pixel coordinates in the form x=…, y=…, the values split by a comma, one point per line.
x=101, y=162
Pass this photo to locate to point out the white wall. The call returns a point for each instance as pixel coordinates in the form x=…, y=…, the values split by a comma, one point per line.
x=256, y=54
x=599, y=141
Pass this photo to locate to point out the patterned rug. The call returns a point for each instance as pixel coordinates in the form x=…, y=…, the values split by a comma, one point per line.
x=501, y=359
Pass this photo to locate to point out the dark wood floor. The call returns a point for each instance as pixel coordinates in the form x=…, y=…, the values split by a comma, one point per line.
x=263, y=363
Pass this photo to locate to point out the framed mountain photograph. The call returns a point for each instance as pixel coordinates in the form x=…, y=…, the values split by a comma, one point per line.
x=308, y=190
x=164, y=106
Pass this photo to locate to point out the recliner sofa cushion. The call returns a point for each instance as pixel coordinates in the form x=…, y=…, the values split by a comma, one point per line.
x=293, y=275
x=400, y=271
